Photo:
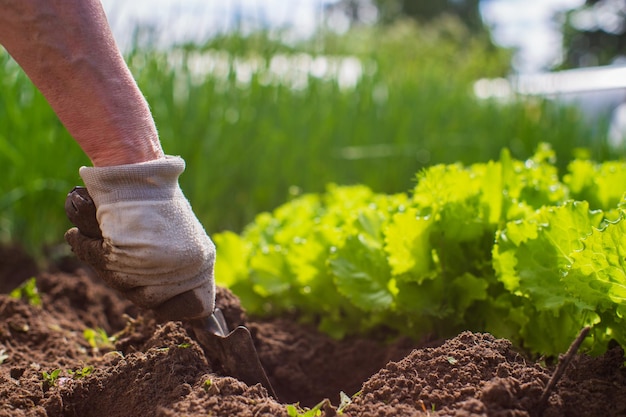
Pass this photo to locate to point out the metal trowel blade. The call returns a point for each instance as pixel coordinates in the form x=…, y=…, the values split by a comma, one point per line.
x=234, y=350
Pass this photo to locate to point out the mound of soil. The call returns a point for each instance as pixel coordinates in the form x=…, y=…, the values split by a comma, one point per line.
x=157, y=369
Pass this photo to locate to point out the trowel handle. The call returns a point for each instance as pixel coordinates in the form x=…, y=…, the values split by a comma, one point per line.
x=81, y=211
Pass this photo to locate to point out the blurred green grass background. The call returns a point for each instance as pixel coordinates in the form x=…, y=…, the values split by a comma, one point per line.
x=259, y=120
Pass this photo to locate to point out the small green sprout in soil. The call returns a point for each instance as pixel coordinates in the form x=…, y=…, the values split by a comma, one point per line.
x=294, y=410
x=345, y=401
x=210, y=388
x=452, y=361
x=207, y=384
x=28, y=291
x=98, y=339
x=81, y=372
x=50, y=379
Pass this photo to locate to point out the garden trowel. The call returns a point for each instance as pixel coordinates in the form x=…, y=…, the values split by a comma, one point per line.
x=233, y=350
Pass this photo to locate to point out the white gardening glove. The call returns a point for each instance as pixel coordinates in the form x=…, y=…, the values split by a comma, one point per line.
x=153, y=248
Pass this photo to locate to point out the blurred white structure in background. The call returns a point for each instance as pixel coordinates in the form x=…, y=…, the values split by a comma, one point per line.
x=600, y=92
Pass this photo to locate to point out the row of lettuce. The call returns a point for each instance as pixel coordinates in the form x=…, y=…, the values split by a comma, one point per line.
x=506, y=246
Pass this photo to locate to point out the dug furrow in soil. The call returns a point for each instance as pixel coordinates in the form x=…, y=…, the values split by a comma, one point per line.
x=48, y=367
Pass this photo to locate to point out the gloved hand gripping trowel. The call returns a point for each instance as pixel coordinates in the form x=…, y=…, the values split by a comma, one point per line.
x=234, y=350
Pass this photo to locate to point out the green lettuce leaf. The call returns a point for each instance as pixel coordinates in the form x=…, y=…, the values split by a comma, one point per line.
x=598, y=272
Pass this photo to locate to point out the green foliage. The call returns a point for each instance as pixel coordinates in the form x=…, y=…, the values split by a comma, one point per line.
x=601, y=184
x=258, y=120
x=466, y=11
x=294, y=410
x=98, y=339
x=39, y=161
x=597, y=277
x=498, y=246
x=344, y=401
x=28, y=291
x=50, y=379
x=81, y=372
x=531, y=258
x=592, y=34
x=206, y=385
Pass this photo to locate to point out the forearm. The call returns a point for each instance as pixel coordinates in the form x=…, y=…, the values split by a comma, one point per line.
x=67, y=50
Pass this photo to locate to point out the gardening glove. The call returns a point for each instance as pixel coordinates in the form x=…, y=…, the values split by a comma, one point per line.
x=153, y=249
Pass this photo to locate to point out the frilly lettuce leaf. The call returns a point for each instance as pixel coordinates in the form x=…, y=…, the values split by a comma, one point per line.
x=598, y=272
x=531, y=256
x=601, y=184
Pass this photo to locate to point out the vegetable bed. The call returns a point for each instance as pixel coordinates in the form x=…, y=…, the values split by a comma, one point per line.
x=57, y=359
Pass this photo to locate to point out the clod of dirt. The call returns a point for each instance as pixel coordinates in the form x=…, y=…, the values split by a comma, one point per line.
x=16, y=266
x=48, y=368
x=472, y=371
x=478, y=375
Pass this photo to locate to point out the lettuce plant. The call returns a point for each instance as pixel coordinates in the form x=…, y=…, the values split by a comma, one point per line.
x=500, y=246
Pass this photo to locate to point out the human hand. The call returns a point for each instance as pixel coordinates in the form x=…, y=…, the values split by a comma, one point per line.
x=152, y=248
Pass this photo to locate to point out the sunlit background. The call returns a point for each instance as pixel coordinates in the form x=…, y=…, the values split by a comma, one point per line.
x=532, y=26
x=534, y=29
x=270, y=99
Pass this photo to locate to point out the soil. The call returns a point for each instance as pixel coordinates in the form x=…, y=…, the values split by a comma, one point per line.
x=157, y=369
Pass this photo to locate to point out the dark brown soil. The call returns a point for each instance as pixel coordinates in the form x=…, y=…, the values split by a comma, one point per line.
x=157, y=369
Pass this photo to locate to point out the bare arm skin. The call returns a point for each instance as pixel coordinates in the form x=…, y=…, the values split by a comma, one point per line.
x=153, y=248
x=67, y=50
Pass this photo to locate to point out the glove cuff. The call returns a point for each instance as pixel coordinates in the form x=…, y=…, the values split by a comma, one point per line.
x=145, y=181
